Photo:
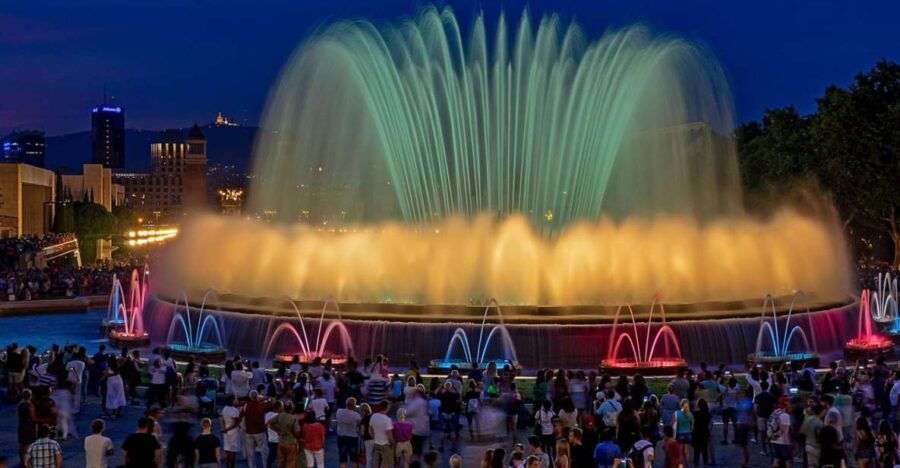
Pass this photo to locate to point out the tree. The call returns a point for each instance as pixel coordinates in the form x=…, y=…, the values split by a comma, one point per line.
x=850, y=146
x=92, y=223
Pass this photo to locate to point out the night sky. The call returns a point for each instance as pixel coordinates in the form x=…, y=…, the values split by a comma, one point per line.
x=174, y=63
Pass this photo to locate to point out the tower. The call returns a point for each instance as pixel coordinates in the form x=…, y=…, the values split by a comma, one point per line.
x=195, y=169
x=108, y=136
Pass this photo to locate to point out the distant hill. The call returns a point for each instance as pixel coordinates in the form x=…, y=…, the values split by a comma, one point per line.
x=227, y=146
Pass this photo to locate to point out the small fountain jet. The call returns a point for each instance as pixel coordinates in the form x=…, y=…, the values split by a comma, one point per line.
x=781, y=340
x=124, y=321
x=480, y=357
x=310, y=351
x=644, y=357
x=194, y=334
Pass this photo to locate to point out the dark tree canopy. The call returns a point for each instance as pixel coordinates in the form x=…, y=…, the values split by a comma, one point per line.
x=850, y=146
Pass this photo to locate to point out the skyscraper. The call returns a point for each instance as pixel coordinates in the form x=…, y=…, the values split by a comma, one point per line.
x=24, y=147
x=108, y=136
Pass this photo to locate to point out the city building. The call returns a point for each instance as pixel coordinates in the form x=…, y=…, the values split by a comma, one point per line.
x=222, y=121
x=108, y=136
x=26, y=147
x=26, y=199
x=95, y=183
x=176, y=182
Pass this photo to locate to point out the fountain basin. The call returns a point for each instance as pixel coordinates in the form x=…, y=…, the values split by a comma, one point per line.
x=656, y=366
x=122, y=339
x=204, y=352
x=443, y=366
x=108, y=325
x=869, y=347
x=768, y=359
x=337, y=360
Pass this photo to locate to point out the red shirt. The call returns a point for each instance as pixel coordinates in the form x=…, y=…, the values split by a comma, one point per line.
x=313, y=436
x=253, y=413
x=673, y=453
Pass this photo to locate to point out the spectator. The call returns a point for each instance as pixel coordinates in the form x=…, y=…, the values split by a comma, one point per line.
x=382, y=430
x=348, y=424
x=313, y=441
x=287, y=428
x=232, y=434
x=97, y=446
x=142, y=450
x=207, y=445
x=253, y=416
x=43, y=452
x=403, y=439
x=607, y=451
x=271, y=434
x=672, y=448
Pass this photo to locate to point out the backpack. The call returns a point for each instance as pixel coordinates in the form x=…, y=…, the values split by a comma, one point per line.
x=773, y=425
x=637, y=452
x=610, y=417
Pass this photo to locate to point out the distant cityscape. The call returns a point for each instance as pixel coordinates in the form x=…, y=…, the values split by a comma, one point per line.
x=175, y=175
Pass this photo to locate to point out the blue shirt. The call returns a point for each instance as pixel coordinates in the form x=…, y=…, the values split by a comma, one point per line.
x=606, y=453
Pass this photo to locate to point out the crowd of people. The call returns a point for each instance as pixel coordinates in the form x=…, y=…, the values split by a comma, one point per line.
x=196, y=414
x=22, y=280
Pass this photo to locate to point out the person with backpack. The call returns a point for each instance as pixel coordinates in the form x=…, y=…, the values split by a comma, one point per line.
x=642, y=453
x=778, y=431
x=609, y=410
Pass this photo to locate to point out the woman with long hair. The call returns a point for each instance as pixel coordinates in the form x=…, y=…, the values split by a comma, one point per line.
x=701, y=431
x=865, y=443
x=886, y=445
x=649, y=418
x=563, y=458
x=683, y=422
x=628, y=427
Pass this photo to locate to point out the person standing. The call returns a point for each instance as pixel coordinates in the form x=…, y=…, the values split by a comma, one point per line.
x=43, y=452
x=403, y=439
x=208, y=447
x=115, y=391
x=782, y=446
x=253, y=415
x=417, y=414
x=27, y=424
x=97, y=446
x=348, y=420
x=272, y=435
x=230, y=420
x=142, y=450
x=75, y=370
x=313, y=433
x=287, y=428
x=382, y=430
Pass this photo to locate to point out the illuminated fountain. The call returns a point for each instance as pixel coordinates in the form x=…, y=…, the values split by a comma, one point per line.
x=781, y=340
x=644, y=357
x=308, y=351
x=883, y=301
x=586, y=171
x=125, y=320
x=867, y=344
x=480, y=357
x=196, y=336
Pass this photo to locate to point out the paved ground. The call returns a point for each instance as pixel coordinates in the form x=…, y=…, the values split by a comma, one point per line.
x=118, y=429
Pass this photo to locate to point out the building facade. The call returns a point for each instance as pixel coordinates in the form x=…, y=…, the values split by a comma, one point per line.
x=94, y=183
x=27, y=194
x=108, y=137
x=28, y=147
x=176, y=182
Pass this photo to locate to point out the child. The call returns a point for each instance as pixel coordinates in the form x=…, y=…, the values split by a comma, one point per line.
x=672, y=448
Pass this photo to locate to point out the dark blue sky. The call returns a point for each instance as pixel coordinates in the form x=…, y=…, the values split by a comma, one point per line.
x=172, y=63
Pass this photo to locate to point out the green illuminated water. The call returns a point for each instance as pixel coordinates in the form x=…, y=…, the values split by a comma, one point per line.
x=421, y=121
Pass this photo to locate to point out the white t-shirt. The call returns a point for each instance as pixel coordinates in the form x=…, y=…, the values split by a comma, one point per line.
x=240, y=383
x=273, y=435
x=319, y=405
x=95, y=448
x=158, y=375
x=327, y=387
x=645, y=448
x=380, y=424
x=76, y=369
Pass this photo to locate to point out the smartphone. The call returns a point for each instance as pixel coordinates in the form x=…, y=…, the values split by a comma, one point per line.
x=793, y=390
